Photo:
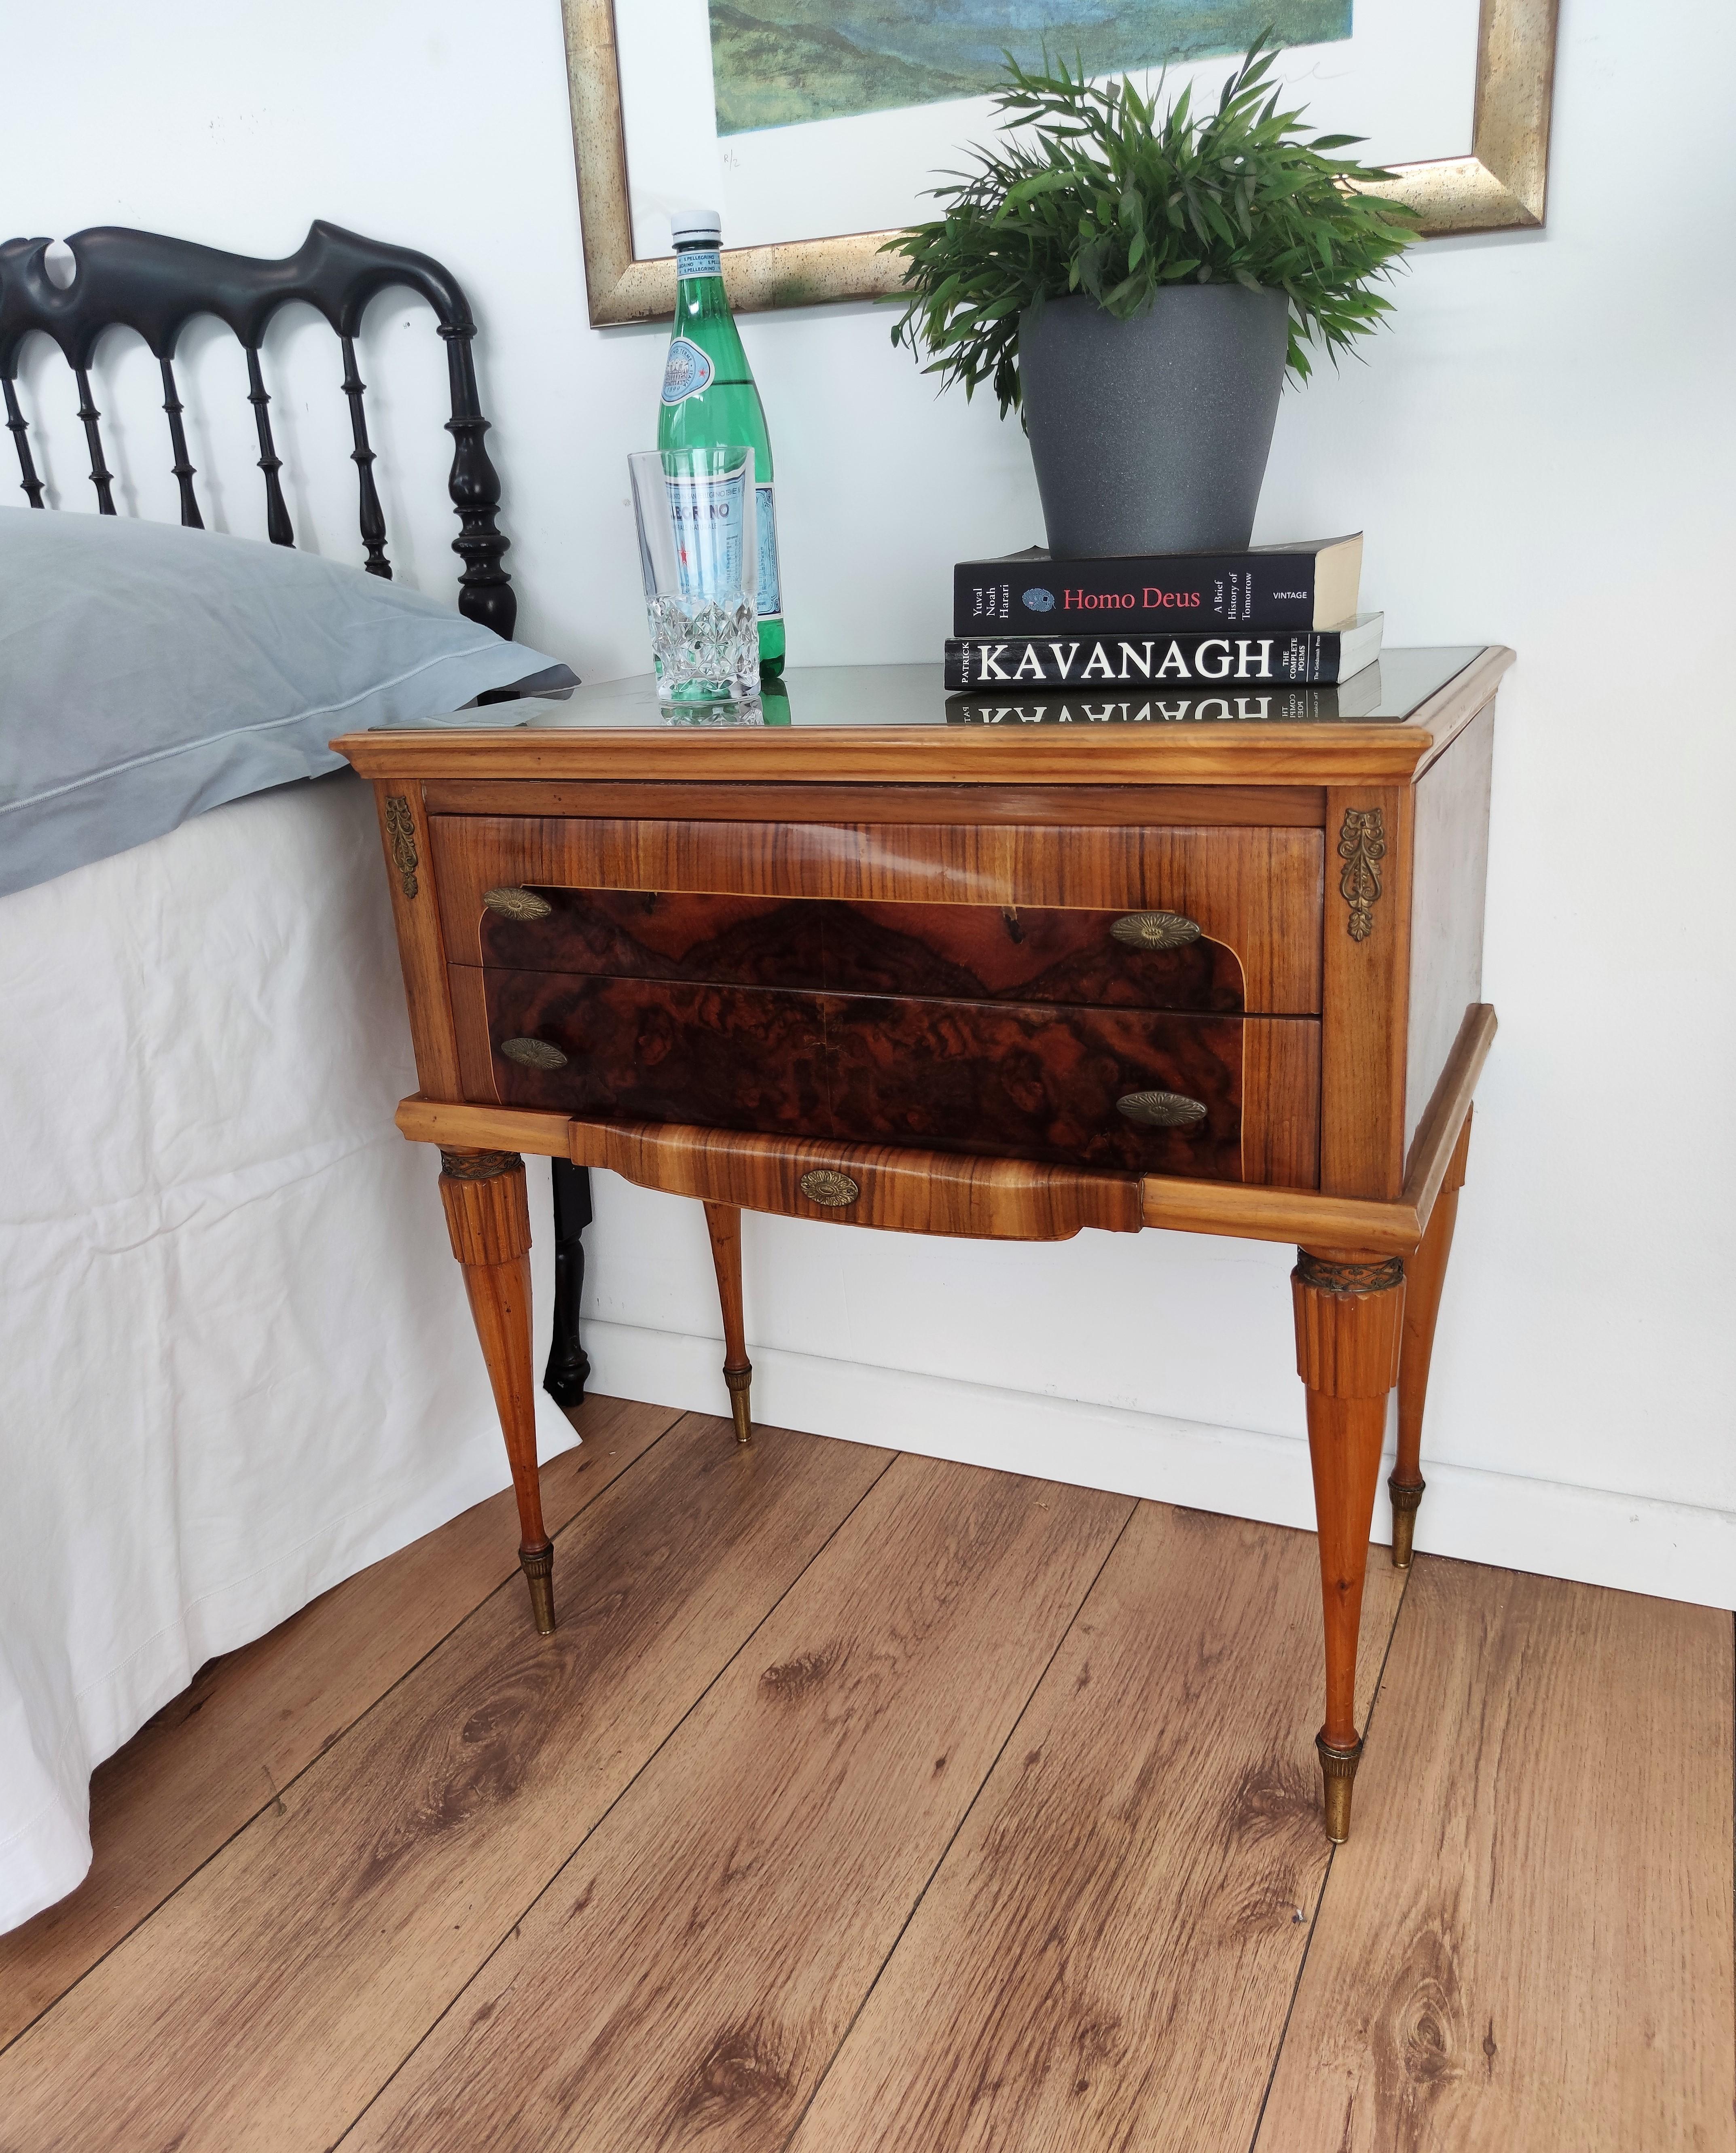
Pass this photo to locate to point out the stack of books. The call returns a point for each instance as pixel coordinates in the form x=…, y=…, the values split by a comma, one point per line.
x=1275, y=616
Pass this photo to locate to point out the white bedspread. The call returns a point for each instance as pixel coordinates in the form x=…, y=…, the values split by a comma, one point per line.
x=236, y=1362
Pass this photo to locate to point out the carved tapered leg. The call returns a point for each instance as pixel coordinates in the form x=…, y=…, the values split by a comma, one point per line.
x=1425, y=1274
x=1349, y=1312
x=723, y=1222
x=569, y=1367
x=490, y=1223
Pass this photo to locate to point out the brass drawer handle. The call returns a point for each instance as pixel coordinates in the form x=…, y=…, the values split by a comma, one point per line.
x=517, y=904
x=538, y=1054
x=1155, y=931
x=833, y=1190
x=1162, y=1110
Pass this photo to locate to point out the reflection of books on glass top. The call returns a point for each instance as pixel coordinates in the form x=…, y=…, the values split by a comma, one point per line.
x=854, y=697
x=1359, y=697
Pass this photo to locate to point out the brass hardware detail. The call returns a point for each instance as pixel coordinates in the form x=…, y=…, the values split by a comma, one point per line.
x=401, y=831
x=1155, y=931
x=739, y=1381
x=1338, y=1768
x=538, y=1564
x=1362, y=847
x=1161, y=1110
x=478, y=1165
x=1407, y=1500
x=833, y=1190
x=517, y=904
x=534, y=1054
x=1348, y=1278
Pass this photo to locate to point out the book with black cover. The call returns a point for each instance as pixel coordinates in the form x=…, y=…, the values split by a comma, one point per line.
x=1311, y=585
x=1176, y=658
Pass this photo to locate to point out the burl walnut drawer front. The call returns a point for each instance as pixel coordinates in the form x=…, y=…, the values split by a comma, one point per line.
x=1140, y=960
x=1218, y=1098
x=899, y=903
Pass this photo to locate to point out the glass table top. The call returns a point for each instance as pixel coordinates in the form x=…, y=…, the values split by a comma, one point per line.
x=1386, y=693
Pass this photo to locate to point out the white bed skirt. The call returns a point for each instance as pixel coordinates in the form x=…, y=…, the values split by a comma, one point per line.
x=236, y=1362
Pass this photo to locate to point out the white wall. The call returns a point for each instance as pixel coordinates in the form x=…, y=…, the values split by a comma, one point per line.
x=1540, y=452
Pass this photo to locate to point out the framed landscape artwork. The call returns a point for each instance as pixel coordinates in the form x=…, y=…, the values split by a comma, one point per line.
x=817, y=127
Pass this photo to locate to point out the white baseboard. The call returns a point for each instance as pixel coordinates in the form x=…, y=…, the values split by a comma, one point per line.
x=1636, y=1544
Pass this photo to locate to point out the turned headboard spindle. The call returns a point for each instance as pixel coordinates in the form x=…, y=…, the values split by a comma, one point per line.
x=278, y=528
x=19, y=426
x=181, y=467
x=485, y=591
x=373, y=516
x=101, y=477
x=155, y=285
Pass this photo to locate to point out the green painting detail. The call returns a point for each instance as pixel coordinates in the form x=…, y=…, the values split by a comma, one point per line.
x=778, y=63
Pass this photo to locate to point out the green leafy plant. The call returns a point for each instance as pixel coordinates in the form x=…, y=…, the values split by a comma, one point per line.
x=1097, y=196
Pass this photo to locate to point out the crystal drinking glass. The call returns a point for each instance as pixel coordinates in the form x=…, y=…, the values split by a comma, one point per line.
x=698, y=548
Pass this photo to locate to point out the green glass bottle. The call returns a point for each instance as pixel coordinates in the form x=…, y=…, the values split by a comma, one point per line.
x=709, y=400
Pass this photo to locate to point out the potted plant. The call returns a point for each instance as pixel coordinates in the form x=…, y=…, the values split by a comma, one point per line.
x=1140, y=287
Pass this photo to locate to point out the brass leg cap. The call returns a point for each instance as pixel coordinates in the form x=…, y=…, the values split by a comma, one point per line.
x=738, y=1380
x=1338, y=1767
x=538, y=1566
x=1407, y=1500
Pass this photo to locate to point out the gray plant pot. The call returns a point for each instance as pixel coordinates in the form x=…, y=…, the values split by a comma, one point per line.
x=1151, y=435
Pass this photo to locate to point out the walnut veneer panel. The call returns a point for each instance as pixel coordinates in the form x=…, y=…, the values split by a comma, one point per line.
x=404, y=832
x=1019, y=1080
x=1303, y=807
x=1367, y=948
x=1451, y=868
x=899, y=1189
x=1280, y=1105
x=1258, y=891
x=1031, y=1082
x=959, y=951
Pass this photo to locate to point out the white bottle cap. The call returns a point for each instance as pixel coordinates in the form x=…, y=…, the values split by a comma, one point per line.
x=689, y=225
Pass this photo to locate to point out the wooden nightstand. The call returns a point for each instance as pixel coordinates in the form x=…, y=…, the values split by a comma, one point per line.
x=886, y=959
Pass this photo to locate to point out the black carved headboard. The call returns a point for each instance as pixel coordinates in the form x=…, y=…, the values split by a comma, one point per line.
x=142, y=280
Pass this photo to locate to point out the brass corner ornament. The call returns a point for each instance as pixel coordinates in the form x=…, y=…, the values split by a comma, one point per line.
x=1362, y=847
x=401, y=835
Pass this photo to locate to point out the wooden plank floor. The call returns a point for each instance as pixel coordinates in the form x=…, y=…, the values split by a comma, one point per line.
x=865, y=1801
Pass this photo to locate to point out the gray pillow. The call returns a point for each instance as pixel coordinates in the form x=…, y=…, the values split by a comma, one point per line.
x=148, y=672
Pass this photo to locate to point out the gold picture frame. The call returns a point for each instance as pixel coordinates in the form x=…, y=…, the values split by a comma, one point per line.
x=1500, y=187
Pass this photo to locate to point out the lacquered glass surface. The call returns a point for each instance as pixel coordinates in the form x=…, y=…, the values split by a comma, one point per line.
x=1385, y=693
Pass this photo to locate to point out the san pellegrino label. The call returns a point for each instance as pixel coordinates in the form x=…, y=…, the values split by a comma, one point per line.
x=710, y=401
x=686, y=372
x=710, y=516
x=771, y=597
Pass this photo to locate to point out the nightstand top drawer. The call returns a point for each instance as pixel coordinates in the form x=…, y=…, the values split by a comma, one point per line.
x=928, y=908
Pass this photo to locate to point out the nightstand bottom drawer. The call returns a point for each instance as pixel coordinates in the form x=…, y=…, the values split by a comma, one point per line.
x=1212, y=1098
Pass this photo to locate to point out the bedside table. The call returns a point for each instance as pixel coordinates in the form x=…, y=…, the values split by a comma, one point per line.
x=885, y=958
